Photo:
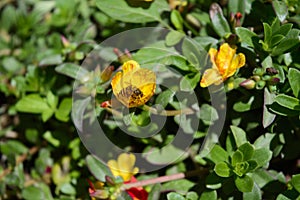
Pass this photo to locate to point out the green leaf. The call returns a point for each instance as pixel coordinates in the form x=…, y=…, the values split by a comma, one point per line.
x=64, y=109
x=155, y=191
x=189, y=82
x=296, y=182
x=11, y=64
x=218, y=20
x=120, y=10
x=12, y=147
x=288, y=101
x=222, y=169
x=174, y=196
x=194, y=53
x=285, y=45
x=213, y=181
x=97, y=168
x=209, y=194
x=237, y=157
x=48, y=136
x=278, y=109
x=192, y=196
x=160, y=53
x=268, y=117
x=239, y=135
x=32, y=103
x=52, y=100
x=267, y=33
x=244, y=184
x=176, y=19
x=246, y=35
x=276, y=39
x=208, y=114
x=181, y=186
x=281, y=9
x=166, y=155
x=51, y=60
x=40, y=191
x=164, y=98
x=284, y=29
x=254, y=194
x=174, y=38
x=72, y=70
x=247, y=150
x=218, y=154
x=67, y=188
x=262, y=156
x=294, y=80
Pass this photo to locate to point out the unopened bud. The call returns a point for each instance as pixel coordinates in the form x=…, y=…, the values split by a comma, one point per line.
x=101, y=194
x=122, y=58
x=271, y=71
x=105, y=104
x=64, y=41
x=106, y=73
x=260, y=84
x=193, y=21
x=238, y=15
x=274, y=80
x=109, y=180
x=256, y=78
x=248, y=84
x=258, y=71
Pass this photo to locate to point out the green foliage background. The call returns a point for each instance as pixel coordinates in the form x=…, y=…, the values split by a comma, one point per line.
x=42, y=44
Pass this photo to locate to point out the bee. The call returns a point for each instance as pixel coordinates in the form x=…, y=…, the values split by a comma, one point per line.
x=132, y=94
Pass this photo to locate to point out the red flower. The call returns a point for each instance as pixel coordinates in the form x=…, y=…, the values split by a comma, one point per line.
x=137, y=193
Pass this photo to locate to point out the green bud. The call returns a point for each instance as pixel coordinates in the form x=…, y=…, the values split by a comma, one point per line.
x=260, y=84
x=258, y=71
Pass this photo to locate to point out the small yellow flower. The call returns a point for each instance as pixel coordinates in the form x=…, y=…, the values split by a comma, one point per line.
x=177, y=3
x=123, y=166
x=224, y=64
x=134, y=86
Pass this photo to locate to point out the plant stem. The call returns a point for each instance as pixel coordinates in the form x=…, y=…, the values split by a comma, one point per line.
x=163, y=179
x=185, y=111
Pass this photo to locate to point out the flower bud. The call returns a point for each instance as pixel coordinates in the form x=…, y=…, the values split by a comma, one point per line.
x=105, y=104
x=271, y=71
x=256, y=78
x=260, y=84
x=122, y=57
x=258, y=71
x=109, y=180
x=274, y=80
x=248, y=84
x=106, y=73
x=193, y=21
x=64, y=41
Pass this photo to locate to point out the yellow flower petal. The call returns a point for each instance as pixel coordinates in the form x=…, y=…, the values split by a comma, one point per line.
x=135, y=86
x=123, y=166
x=114, y=168
x=224, y=57
x=130, y=65
x=236, y=63
x=213, y=55
x=224, y=64
x=211, y=76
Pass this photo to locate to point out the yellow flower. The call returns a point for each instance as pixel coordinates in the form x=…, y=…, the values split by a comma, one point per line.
x=180, y=3
x=134, y=86
x=225, y=63
x=123, y=166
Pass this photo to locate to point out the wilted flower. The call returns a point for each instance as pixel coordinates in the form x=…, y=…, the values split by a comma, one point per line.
x=134, y=86
x=224, y=64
